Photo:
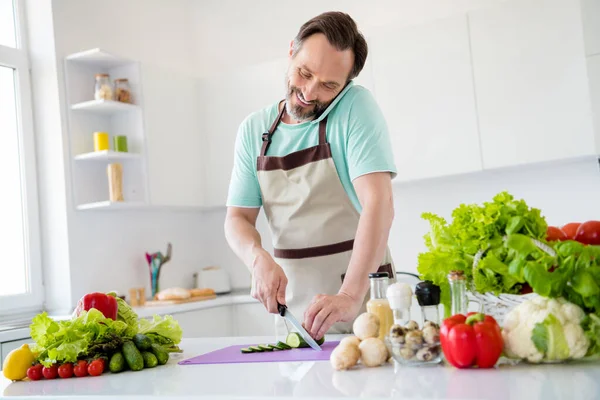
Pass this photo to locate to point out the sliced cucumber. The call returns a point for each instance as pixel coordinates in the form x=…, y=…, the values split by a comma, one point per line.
x=265, y=347
x=295, y=341
x=256, y=349
x=282, y=346
x=321, y=341
x=273, y=347
x=246, y=350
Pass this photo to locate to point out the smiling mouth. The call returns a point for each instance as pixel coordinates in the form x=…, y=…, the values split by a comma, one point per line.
x=302, y=103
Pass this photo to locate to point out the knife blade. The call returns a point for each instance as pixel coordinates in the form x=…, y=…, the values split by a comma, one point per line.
x=285, y=313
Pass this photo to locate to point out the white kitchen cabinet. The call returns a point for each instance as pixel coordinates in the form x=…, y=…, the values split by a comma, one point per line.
x=531, y=82
x=208, y=322
x=590, y=13
x=225, y=101
x=252, y=319
x=423, y=83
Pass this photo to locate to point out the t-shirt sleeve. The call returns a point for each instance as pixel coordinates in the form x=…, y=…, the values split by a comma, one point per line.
x=369, y=148
x=244, y=190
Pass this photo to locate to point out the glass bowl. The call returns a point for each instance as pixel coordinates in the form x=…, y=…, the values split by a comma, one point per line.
x=416, y=354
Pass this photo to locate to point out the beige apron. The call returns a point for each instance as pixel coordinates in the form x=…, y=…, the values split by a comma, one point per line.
x=313, y=223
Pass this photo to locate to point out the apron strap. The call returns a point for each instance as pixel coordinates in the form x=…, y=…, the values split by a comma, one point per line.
x=323, y=131
x=266, y=137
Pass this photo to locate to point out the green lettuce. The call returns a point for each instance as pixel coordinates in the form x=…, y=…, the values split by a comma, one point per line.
x=126, y=314
x=65, y=341
x=479, y=232
x=163, y=330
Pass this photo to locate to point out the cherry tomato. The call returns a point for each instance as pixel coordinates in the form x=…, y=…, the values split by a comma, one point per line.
x=588, y=232
x=50, y=372
x=35, y=372
x=65, y=370
x=553, y=234
x=96, y=368
x=570, y=229
x=80, y=369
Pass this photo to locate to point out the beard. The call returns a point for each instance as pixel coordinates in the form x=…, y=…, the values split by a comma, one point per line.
x=300, y=112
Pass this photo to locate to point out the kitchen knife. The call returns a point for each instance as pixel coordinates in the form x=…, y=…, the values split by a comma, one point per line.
x=285, y=313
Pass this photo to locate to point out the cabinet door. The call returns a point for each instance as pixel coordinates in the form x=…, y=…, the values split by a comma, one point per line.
x=209, y=322
x=531, y=82
x=225, y=101
x=175, y=141
x=423, y=82
x=253, y=320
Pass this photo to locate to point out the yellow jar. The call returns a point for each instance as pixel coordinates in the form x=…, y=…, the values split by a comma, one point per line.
x=101, y=141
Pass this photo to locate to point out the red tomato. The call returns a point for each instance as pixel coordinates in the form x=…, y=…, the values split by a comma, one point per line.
x=570, y=229
x=35, y=373
x=50, y=372
x=96, y=368
x=588, y=232
x=65, y=370
x=553, y=234
x=80, y=369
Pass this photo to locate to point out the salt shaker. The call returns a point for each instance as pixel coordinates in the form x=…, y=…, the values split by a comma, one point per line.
x=399, y=296
x=428, y=296
x=458, y=292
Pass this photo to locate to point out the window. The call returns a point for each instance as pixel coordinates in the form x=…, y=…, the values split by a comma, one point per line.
x=21, y=287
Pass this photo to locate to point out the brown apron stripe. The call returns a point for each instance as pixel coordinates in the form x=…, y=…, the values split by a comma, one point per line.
x=294, y=160
x=318, y=251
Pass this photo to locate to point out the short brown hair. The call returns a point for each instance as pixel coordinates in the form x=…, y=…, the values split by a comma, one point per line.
x=341, y=31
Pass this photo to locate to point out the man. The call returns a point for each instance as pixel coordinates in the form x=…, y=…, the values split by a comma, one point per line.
x=320, y=163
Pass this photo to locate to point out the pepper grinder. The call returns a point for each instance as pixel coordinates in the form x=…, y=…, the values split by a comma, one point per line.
x=428, y=296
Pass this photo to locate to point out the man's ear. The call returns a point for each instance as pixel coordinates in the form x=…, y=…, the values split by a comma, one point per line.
x=291, y=48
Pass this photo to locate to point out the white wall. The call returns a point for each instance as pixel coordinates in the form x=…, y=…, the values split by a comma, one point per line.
x=187, y=39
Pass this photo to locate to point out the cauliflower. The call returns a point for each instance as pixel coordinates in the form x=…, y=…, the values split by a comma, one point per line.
x=543, y=329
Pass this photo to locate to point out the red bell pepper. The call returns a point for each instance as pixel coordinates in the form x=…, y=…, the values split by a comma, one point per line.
x=474, y=340
x=104, y=303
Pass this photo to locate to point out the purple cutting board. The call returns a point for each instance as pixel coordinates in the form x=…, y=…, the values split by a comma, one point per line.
x=233, y=355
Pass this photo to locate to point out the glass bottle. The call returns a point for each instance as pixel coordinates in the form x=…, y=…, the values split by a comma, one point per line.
x=103, y=89
x=378, y=304
x=428, y=296
x=458, y=292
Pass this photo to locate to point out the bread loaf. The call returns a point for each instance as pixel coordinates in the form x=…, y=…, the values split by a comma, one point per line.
x=175, y=293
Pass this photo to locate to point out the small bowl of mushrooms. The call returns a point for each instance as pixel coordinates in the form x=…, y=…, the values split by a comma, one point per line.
x=410, y=345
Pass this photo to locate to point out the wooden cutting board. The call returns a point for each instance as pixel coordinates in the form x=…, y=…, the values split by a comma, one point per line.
x=171, y=302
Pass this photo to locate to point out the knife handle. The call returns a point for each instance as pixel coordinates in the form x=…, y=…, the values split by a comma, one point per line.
x=281, y=308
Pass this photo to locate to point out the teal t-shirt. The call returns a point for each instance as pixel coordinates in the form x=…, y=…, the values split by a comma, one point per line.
x=356, y=130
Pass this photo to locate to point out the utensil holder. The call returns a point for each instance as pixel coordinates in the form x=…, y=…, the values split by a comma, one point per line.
x=115, y=181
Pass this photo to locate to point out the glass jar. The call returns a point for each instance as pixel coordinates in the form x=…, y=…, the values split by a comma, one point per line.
x=103, y=89
x=123, y=91
x=379, y=304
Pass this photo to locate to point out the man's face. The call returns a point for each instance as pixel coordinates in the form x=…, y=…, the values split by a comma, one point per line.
x=316, y=74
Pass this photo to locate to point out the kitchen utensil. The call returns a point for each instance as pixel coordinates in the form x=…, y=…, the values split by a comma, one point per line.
x=285, y=313
x=213, y=277
x=233, y=355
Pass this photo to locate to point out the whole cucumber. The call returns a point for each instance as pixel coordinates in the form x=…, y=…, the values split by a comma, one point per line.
x=117, y=363
x=134, y=358
x=161, y=354
x=142, y=342
x=150, y=360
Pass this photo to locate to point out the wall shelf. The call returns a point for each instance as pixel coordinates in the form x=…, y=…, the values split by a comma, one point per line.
x=98, y=58
x=107, y=155
x=104, y=107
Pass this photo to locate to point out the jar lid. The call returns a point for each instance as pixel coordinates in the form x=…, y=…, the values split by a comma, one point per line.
x=379, y=275
x=102, y=75
x=121, y=80
x=427, y=293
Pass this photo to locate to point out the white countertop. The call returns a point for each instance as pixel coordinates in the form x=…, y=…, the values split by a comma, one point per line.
x=319, y=380
x=238, y=296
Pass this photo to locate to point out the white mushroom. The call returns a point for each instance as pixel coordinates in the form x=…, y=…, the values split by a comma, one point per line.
x=373, y=352
x=366, y=325
x=344, y=356
x=350, y=340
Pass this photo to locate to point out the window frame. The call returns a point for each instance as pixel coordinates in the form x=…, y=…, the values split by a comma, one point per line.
x=18, y=59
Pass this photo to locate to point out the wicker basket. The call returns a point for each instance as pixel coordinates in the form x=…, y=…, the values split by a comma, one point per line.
x=498, y=306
